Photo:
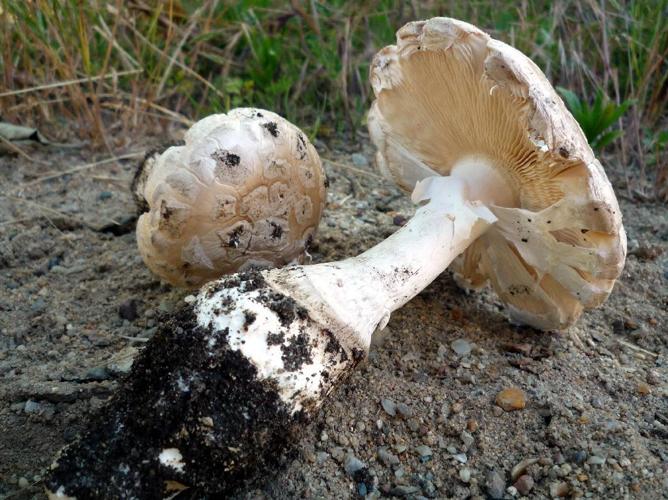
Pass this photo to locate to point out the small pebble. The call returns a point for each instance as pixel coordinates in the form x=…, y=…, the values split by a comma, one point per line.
x=511, y=399
x=461, y=458
x=596, y=460
x=495, y=485
x=399, y=220
x=579, y=457
x=321, y=457
x=524, y=484
x=404, y=491
x=98, y=374
x=128, y=310
x=386, y=457
x=653, y=377
x=400, y=448
x=467, y=439
x=359, y=160
x=461, y=346
x=644, y=389
x=445, y=410
x=32, y=407
x=404, y=410
x=23, y=483
x=560, y=489
x=424, y=451
x=465, y=475
x=337, y=453
x=38, y=306
x=597, y=402
x=353, y=464
x=565, y=470
x=389, y=406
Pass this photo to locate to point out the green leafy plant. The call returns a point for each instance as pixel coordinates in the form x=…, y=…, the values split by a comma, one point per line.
x=596, y=118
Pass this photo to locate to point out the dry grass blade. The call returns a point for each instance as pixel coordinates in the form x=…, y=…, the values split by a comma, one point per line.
x=77, y=169
x=44, y=208
x=162, y=53
x=637, y=348
x=19, y=151
x=353, y=169
x=70, y=82
x=177, y=51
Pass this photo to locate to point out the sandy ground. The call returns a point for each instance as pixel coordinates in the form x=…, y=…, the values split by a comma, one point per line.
x=416, y=420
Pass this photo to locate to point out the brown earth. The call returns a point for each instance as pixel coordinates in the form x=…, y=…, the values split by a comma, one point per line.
x=76, y=303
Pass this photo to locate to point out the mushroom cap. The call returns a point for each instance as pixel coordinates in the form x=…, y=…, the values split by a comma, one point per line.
x=448, y=95
x=246, y=189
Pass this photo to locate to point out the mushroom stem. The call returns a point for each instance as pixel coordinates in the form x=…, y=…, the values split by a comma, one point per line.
x=225, y=383
x=361, y=292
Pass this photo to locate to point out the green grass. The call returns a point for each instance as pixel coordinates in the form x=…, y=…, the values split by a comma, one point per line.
x=308, y=60
x=598, y=118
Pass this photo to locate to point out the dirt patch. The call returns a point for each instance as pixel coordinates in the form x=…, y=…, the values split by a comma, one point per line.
x=185, y=397
x=595, y=420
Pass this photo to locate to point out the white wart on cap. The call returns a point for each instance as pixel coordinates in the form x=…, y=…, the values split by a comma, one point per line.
x=246, y=189
x=450, y=100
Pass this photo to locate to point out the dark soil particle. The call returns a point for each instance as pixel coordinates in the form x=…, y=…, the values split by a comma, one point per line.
x=285, y=307
x=296, y=353
x=176, y=384
x=249, y=318
x=333, y=346
x=224, y=157
x=272, y=128
x=165, y=211
x=301, y=146
x=275, y=338
x=233, y=240
x=277, y=230
x=245, y=281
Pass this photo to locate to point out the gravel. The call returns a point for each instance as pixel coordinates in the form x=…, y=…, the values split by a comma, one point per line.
x=462, y=347
x=495, y=485
x=353, y=464
x=579, y=397
x=596, y=460
x=389, y=406
x=511, y=399
x=387, y=458
x=524, y=484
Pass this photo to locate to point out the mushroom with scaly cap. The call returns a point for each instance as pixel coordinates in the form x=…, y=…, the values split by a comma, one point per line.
x=225, y=384
x=246, y=189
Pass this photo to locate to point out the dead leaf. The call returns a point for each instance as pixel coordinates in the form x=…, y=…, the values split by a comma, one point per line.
x=17, y=133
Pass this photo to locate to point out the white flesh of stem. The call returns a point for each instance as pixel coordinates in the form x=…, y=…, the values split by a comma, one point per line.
x=360, y=293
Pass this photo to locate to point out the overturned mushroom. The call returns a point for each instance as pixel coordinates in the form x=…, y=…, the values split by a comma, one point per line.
x=246, y=189
x=452, y=101
x=224, y=385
